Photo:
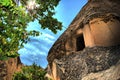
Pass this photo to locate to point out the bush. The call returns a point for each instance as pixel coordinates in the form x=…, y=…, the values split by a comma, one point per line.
x=32, y=72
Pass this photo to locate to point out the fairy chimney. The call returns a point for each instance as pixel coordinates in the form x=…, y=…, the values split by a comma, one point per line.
x=94, y=30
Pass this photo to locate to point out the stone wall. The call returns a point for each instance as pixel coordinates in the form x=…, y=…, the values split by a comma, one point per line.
x=99, y=24
x=105, y=33
x=93, y=9
x=7, y=68
x=96, y=63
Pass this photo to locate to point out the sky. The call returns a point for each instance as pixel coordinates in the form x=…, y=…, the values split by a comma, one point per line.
x=36, y=50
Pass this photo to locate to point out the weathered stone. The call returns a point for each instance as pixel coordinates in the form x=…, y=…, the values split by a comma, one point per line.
x=90, y=44
x=113, y=73
x=96, y=63
x=9, y=67
x=92, y=60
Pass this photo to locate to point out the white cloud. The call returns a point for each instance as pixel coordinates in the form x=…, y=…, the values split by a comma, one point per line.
x=48, y=40
x=49, y=36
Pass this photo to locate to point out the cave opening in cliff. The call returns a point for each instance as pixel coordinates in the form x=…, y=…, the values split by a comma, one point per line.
x=80, y=44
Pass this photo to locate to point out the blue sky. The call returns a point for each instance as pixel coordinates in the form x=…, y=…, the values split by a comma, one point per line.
x=37, y=48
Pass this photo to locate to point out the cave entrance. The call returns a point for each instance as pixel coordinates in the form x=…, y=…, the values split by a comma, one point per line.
x=80, y=44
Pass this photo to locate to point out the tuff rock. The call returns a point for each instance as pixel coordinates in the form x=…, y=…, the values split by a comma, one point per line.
x=9, y=67
x=90, y=48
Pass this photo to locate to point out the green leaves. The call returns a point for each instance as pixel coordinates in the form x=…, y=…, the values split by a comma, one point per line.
x=49, y=22
x=5, y=2
x=34, y=33
x=32, y=72
x=3, y=58
x=14, y=19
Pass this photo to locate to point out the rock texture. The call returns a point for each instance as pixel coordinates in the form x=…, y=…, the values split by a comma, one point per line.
x=89, y=49
x=7, y=68
x=97, y=63
x=93, y=9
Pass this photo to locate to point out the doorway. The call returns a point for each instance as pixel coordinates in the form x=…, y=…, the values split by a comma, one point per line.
x=80, y=44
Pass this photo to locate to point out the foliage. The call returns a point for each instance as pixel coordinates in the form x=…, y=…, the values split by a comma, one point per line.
x=33, y=72
x=14, y=17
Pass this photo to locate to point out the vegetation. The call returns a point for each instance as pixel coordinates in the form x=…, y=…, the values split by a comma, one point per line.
x=33, y=72
x=14, y=17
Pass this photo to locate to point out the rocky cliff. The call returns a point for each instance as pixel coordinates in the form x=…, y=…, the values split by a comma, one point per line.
x=7, y=68
x=98, y=22
x=93, y=9
x=97, y=63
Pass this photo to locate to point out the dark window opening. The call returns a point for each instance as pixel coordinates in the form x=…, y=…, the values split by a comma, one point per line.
x=80, y=45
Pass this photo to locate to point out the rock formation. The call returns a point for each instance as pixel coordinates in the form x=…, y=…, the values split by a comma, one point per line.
x=90, y=48
x=7, y=68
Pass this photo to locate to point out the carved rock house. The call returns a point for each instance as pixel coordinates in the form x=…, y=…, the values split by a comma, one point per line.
x=97, y=24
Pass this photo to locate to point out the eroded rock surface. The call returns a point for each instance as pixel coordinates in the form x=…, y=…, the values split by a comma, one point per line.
x=97, y=63
x=88, y=49
x=7, y=68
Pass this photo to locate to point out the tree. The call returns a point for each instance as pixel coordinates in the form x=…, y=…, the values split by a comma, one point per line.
x=32, y=72
x=14, y=17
